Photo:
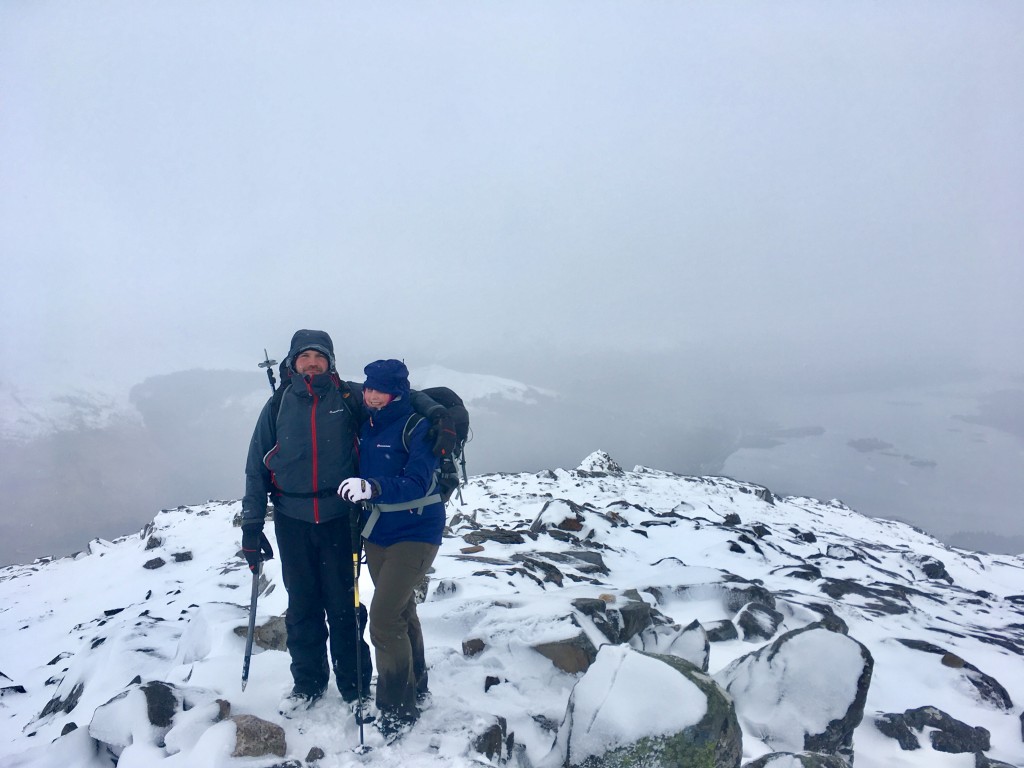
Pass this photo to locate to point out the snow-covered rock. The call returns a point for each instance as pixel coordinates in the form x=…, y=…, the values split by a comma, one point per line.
x=633, y=708
x=805, y=691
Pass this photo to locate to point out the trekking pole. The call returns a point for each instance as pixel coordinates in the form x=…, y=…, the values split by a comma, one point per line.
x=357, y=548
x=269, y=365
x=252, y=624
x=462, y=464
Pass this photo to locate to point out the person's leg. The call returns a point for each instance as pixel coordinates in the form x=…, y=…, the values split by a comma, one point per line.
x=304, y=620
x=394, y=626
x=419, y=661
x=336, y=567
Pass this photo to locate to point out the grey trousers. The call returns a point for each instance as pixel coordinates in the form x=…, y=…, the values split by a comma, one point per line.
x=395, y=629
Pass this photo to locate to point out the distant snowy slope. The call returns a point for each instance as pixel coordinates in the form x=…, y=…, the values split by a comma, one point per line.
x=474, y=387
x=27, y=414
x=32, y=412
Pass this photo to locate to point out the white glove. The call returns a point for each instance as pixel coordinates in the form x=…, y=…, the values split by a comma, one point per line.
x=355, y=489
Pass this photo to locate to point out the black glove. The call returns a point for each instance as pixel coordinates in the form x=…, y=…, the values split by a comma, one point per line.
x=255, y=546
x=442, y=429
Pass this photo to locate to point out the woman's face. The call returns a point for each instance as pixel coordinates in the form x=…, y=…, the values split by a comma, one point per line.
x=374, y=399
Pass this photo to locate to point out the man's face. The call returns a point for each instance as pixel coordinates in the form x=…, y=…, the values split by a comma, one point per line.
x=310, y=363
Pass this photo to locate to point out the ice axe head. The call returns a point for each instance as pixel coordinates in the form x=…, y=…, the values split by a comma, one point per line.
x=269, y=365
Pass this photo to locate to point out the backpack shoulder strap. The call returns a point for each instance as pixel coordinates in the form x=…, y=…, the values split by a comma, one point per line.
x=349, y=399
x=275, y=403
x=410, y=424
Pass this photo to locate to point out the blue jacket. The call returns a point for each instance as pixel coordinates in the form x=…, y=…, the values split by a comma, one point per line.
x=400, y=475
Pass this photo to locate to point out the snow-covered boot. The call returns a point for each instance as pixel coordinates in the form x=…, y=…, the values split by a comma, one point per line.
x=297, y=702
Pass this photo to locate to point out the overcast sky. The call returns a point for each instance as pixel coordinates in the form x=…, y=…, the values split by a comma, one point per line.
x=812, y=184
x=735, y=213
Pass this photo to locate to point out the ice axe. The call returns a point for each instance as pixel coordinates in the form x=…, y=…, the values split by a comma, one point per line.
x=252, y=623
x=266, y=553
x=269, y=365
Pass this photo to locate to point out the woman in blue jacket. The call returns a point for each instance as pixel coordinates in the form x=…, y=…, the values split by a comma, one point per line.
x=403, y=520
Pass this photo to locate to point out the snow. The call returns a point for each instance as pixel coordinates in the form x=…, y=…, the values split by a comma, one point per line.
x=102, y=619
x=31, y=413
x=475, y=387
x=614, y=705
x=798, y=689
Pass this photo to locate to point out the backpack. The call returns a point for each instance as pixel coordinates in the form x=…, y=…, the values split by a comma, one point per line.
x=446, y=481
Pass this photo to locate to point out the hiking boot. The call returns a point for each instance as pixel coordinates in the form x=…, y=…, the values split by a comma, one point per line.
x=297, y=702
x=393, y=724
x=363, y=711
x=350, y=692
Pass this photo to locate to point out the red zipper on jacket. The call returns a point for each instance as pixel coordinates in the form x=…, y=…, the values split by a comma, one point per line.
x=316, y=472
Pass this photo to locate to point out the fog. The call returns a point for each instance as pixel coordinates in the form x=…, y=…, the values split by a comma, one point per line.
x=699, y=224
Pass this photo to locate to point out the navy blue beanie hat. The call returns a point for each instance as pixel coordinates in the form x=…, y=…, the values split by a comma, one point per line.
x=390, y=376
x=307, y=339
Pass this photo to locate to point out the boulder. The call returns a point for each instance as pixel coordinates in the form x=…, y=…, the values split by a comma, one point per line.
x=547, y=572
x=758, y=621
x=492, y=739
x=801, y=760
x=141, y=715
x=571, y=655
x=842, y=552
x=65, y=699
x=733, y=592
x=255, y=737
x=981, y=761
x=600, y=462
x=191, y=723
x=272, y=635
x=721, y=631
x=989, y=689
x=618, y=617
x=690, y=642
x=803, y=692
x=474, y=646
x=611, y=720
x=560, y=514
x=895, y=726
x=497, y=535
x=946, y=733
x=932, y=568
